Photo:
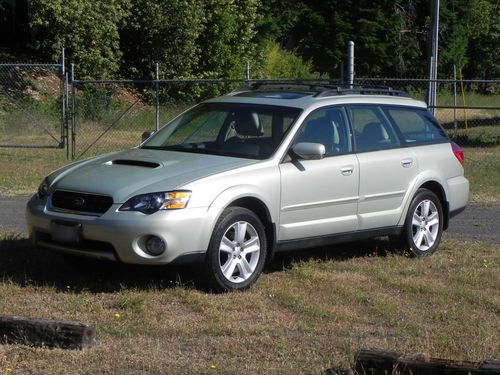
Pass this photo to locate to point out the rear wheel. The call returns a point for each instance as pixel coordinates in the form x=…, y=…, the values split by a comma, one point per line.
x=424, y=223
x=237, y=250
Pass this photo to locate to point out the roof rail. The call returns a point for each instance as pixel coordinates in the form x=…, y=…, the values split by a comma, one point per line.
x=284, y=86
x=362, y=91
x=320, y=90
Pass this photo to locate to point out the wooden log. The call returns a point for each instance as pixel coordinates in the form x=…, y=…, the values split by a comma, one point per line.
x=375, y=362
x=46, y=333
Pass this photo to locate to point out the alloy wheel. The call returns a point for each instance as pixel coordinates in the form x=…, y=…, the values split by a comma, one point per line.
x=425, y=225
x=239, y=252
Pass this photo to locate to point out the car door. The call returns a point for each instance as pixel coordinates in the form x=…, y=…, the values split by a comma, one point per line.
x=319, y=197
x=386, y=169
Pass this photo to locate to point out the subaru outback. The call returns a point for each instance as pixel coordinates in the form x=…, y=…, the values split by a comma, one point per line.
x=264, y=169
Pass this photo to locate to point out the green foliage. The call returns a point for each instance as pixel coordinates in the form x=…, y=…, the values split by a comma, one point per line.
x=203, y=39
x=377, y=30
x=391, y=36
x=163, y=32
x=485, y=44
x=225, y=42
x=279, y=63
x=88, y=29
x=215, y=38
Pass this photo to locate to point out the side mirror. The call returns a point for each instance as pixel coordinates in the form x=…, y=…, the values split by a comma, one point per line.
x=309, y=151
x=146, y=135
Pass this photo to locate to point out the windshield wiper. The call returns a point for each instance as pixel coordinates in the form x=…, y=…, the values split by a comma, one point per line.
x=193, y=150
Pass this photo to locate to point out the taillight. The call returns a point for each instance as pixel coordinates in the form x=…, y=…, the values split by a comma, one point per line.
x=458, y=152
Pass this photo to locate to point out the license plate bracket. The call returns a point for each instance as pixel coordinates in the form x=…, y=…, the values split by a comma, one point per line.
x=66, y=232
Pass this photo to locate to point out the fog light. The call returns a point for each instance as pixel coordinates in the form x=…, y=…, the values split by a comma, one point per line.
x=155, y=246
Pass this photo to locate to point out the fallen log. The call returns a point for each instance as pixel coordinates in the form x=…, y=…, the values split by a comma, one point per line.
x=375, y=362
x=46, y=333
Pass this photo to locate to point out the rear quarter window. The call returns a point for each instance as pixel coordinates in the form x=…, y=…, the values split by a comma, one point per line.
x=417, y=126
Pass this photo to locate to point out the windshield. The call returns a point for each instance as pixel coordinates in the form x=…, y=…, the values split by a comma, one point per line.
x=239, y=130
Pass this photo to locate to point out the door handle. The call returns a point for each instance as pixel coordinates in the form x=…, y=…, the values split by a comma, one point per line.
x=406, y=163
x=346, y=171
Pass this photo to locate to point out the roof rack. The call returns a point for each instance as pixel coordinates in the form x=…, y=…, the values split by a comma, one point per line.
x=284, y=86
x=362, y=91
x=321, y=90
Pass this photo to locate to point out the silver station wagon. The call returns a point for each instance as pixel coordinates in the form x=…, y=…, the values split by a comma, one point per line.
x=264, y=169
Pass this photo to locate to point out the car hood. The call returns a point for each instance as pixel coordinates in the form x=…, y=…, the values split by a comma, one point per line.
x=137, y=171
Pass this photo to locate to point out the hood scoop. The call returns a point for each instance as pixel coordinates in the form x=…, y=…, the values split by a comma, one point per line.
x=134, y=163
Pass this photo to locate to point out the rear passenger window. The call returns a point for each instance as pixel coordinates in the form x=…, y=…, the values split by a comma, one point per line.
x=372, y=131
x=417, y=126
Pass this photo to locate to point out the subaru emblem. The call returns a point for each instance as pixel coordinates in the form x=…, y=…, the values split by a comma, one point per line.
x=78, y=202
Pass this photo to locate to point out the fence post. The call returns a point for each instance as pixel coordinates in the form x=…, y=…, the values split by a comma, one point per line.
x=350, y=64
x=247, y=72
x=455, y=126
x=73, y=112
x=64, y=124
x=434, y=58
x=157, y=121
x=66, y=105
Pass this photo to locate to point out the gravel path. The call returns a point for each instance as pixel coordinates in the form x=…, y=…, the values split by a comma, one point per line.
x=12, y=214
x=477, y=223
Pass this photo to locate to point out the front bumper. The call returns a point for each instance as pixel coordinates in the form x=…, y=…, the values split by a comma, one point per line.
x=120, y=236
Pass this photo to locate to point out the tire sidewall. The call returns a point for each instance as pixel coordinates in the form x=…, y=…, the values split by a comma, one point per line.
x=420, y=196
x=230, y=216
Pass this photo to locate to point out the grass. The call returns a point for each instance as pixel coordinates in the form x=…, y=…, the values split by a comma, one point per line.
x=482, y=168
x=474, y=99
x=309, y=312
x=22, y=170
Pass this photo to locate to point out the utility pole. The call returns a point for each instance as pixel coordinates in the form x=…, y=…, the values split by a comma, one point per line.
x=433, y=59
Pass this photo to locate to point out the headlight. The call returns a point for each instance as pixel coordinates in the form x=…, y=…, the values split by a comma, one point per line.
x=150, y=203
x=43, y=189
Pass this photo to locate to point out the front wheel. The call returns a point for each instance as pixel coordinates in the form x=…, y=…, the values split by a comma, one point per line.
x=237, y=250
x=424, y=223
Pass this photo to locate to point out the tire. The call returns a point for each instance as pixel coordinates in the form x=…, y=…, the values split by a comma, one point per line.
x=424, y=223
x=235, y=261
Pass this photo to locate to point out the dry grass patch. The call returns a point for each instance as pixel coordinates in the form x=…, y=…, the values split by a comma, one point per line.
x=310, y=311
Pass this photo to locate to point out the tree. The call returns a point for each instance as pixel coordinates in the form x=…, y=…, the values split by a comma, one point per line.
x=483, y=52
x=225, y=42
x=163, y=32
x=88, y=29
x=320, y=31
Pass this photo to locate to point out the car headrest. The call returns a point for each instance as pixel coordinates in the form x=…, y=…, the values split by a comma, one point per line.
x=247, y=123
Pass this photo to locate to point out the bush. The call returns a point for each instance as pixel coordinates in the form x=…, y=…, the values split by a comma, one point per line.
x=275, y=62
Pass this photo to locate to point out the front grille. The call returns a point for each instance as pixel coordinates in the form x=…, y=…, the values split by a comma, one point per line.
x=80, y=202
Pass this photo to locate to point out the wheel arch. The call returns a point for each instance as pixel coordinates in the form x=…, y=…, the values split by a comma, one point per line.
x=259, y=208
x=438, y=189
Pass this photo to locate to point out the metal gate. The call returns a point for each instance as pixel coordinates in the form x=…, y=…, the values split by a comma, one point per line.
x=33, y=103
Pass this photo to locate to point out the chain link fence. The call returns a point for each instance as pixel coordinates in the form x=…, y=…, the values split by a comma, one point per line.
x=32, y=98
x=104, y=116
x=111, y=115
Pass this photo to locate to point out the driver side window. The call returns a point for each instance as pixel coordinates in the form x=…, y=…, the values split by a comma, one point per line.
x=328, y=127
